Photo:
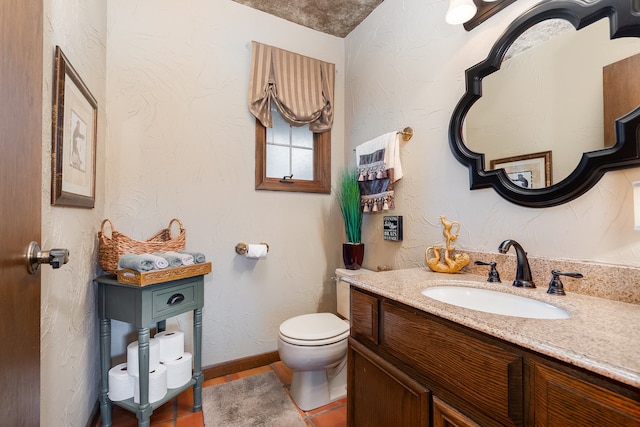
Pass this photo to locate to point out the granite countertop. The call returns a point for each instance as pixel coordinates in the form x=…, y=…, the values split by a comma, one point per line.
x=602, y=336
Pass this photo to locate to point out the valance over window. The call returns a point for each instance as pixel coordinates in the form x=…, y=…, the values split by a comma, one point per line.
x=301, y=88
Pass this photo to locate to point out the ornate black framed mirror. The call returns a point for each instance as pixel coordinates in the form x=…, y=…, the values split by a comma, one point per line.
x=552, y=169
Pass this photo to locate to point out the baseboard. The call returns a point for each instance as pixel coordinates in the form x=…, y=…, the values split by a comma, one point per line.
x=238, y=365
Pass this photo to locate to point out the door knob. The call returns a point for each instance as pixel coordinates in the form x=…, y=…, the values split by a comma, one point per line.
x=54, y=257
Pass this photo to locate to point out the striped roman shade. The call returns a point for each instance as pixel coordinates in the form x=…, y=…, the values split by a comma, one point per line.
x=300, y=87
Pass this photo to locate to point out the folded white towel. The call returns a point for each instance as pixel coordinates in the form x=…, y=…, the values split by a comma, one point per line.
x=172, y=261
x=185, y=258
x=158, y=262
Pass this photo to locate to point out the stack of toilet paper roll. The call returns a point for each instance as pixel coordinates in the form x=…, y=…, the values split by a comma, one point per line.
x=174, y=358
x=169, y=367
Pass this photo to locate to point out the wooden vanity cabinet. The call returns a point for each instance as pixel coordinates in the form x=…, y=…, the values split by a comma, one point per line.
x=476, y=376
x=562, y=399
x=411, y=368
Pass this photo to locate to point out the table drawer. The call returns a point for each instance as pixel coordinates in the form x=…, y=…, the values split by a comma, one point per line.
x=174, y=300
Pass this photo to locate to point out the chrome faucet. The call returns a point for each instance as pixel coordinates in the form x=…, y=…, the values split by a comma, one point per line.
x=523, y=271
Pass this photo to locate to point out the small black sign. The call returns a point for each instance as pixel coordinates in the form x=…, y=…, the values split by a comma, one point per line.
x=393, y=228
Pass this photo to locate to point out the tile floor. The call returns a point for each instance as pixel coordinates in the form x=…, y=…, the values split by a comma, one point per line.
x=178, y=412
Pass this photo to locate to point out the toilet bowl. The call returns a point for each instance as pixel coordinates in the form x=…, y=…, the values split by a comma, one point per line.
x=314, y=347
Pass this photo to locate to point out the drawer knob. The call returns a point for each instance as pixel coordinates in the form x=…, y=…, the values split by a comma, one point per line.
x=175, y=299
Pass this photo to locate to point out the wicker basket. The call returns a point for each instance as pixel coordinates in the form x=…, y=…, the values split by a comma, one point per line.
x=112, y=248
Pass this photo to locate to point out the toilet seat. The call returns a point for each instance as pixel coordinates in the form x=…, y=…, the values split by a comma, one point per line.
x=314, y=329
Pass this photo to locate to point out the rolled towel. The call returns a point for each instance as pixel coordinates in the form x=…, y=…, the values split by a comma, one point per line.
x=141, y=263
x=185, y=258
x=172, y=260
x=158, y=262
x=198, y=257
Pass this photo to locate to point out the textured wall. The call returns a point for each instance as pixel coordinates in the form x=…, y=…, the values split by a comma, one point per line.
x=176, y=140
x=69, y=329
x=180, y=143
x=405, y=66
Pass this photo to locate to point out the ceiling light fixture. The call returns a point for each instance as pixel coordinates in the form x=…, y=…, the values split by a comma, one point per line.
x=460, y=11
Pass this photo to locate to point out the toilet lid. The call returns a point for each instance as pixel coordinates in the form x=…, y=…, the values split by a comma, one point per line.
x=314, y=327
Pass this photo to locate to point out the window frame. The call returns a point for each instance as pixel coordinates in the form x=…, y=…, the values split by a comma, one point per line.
x=321, y=182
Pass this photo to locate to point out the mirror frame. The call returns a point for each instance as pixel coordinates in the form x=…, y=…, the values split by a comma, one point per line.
x=624, y=21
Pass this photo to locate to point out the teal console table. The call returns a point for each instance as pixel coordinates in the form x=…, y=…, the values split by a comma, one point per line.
x=143, y=306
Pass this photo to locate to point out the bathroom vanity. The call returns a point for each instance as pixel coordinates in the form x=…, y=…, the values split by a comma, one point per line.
x=415, y=361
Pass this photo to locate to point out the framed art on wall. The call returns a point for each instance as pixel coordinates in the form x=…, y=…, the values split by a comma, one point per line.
x=527, y=171
x=74, y=128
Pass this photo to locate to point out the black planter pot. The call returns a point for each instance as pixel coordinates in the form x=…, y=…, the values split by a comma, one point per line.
x=353, y=255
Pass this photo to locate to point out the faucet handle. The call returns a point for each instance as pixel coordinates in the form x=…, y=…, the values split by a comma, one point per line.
x=493, y=273
x=555, y=285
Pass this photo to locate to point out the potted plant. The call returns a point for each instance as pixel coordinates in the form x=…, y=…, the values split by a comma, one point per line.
x=348, y=196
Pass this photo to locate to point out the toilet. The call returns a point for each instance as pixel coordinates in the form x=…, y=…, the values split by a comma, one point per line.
x=314, y=347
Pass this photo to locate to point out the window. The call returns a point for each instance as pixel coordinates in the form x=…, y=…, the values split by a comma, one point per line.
x=285, y=150
x=291, y=96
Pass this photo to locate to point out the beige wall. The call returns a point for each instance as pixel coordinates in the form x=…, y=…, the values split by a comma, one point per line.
x=405, y=66
x=176, y=140
x=180, y=143
x=69, y=332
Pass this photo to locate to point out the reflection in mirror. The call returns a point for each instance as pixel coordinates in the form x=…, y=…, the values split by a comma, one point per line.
x=623, y=19
x=547, y=97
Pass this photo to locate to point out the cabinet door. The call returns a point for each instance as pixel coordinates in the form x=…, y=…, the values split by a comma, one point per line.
x=562, y=400
x=380, y=395
x=447, y=416
x=364, y=317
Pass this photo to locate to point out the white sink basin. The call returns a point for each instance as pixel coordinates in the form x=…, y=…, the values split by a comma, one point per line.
x=495, y=302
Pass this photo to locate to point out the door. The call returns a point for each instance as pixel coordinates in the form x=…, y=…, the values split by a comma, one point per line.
x=20, y=167
x=621, y=93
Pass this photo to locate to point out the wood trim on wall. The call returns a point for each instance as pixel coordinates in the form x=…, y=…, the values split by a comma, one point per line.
x=321, y=166
x=239, y=365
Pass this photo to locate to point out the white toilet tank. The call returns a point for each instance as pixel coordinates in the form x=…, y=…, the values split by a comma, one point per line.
x=342, y=290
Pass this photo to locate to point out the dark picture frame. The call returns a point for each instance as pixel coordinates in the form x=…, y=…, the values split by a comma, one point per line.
x=528, y=170
x=74, y=138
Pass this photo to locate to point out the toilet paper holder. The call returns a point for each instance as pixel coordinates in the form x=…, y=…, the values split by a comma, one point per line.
x=242, y=248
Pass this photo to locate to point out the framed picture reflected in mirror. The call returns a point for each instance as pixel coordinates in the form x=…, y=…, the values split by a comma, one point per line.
x=528, y=170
